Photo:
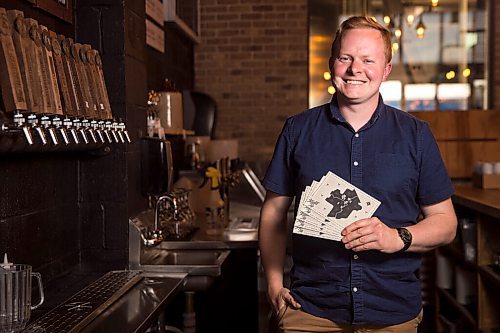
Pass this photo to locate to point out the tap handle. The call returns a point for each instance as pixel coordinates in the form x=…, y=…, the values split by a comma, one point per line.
x=27, y=135
x=53, y=135
x=74, y=135
x=124, y=131
x=99, y=134
x=120, y=135
x=41, y=134
x=103, y=128
x=20, y=122
x=92, y=134
x=84, y=135
x=115, y=137
x=64, y=135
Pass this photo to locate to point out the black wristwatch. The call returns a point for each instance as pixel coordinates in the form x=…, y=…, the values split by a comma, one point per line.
x=406, y=237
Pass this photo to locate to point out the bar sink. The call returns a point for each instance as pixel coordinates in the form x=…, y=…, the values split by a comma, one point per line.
x=206, y=261
x=201, y=266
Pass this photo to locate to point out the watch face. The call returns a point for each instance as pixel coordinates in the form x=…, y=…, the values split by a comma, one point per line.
x=405, y=235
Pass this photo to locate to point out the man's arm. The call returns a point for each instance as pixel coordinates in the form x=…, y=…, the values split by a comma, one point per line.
x=272, y=244
x=437, y=228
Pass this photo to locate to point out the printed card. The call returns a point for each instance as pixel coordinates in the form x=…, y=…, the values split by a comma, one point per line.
x=328, y=206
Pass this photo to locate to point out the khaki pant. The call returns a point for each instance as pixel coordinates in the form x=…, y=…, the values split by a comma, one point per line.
x=293, y=321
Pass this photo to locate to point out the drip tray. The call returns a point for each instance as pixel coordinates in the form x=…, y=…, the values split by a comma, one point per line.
x=78, y=311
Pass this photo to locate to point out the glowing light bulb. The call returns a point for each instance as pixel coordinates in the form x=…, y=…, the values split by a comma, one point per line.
x=331, y=90
x=466, y=72
x=327, y=76
x=395, y=46
x=450, y=75
x=434, y=3
x=398, y=33
x=387, y=19
x=420, y=28
x=410, y=19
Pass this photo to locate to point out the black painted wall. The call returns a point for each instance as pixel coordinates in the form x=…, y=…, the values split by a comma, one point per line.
x=66, y=211
x=39, y=197
x=177, y=63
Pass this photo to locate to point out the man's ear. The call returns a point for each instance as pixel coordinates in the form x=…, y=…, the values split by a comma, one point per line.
x=387, y=71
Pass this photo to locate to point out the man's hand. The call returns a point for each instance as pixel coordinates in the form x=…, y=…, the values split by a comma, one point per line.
x=282, y=298
x=371, y=234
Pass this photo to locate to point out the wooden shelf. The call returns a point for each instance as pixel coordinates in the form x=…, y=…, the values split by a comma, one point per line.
x=483, y=208
x=464, y=312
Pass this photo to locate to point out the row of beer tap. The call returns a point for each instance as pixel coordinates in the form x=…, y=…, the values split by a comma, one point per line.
x=53, y=89
x=56, y=130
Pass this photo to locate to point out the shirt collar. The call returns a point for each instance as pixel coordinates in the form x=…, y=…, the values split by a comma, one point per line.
x=337, y=115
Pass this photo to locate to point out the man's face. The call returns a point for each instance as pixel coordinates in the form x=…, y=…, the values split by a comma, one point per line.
x=360, y=67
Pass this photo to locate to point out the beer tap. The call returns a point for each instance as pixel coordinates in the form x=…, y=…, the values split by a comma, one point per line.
x=45, y=122
x=68, y=124
x=104, y=128
x=109, y=129
x=87, y=126
x=20, y=123
x=33, y=122
x=78, y=128
x=123, y=129
x=57, y=124
x=95, y=125
x=117, y=133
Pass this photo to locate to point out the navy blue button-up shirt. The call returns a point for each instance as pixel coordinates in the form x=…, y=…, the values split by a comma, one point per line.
x=394, y=158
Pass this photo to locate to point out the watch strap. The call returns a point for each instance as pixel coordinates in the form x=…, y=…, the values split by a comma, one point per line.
x=406, y=237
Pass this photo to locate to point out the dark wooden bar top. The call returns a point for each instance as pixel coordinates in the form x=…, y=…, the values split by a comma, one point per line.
x=481, y=200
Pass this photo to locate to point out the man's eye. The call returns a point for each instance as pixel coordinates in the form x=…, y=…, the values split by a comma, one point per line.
x=344, y=59
x=369, y=61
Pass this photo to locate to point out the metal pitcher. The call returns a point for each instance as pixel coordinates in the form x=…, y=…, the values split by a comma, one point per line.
x=15, y=296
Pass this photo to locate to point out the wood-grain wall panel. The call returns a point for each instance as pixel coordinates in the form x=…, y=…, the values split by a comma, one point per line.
x=465, y=137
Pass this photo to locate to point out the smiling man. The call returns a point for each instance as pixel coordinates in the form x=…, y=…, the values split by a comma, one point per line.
x=368, y=281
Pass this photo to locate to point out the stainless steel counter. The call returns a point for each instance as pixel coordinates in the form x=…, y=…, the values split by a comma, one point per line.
x=118, y=301
x=140, y=307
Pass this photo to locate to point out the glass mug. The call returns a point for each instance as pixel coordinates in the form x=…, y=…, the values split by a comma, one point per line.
x=15, y=297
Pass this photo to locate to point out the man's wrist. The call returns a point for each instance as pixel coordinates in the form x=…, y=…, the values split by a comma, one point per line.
x=406, y=237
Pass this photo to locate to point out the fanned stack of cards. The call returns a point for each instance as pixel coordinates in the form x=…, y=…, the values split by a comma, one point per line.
x=328, y=206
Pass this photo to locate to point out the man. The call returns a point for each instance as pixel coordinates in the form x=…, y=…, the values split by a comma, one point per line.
x=367, y=282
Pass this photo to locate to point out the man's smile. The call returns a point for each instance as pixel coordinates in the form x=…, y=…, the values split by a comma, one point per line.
x=354, y=82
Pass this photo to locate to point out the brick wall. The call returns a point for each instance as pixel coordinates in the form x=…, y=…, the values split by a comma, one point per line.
x=253, y=60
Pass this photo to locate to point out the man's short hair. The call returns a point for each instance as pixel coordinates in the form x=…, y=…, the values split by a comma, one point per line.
x=362, y=22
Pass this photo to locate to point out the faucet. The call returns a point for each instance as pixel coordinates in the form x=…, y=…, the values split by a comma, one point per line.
x=173, y=202
x=160, y=199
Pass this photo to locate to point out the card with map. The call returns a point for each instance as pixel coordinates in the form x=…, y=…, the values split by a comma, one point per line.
x=328, y=206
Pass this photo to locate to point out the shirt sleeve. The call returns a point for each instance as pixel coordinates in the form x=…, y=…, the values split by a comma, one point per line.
x=280, y=175
x=434, y=183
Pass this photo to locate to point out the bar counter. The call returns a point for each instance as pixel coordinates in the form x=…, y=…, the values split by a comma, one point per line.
x=481, y=200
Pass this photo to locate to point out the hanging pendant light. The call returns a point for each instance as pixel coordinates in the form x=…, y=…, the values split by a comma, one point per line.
x=398, y=32
x=410, y=19
x=420, y=28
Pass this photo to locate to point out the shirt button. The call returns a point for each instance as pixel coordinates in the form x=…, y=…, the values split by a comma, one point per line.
x=355, y=256
x=356, y=135
x=355, y=289
x=355, y=163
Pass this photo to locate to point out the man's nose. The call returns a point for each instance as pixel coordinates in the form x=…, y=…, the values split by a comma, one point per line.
x=356, y=66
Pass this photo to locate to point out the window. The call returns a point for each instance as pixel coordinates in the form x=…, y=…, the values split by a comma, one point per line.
x=439, y=51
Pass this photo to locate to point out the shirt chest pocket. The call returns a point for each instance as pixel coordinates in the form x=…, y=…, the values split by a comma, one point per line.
x=393, y=172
